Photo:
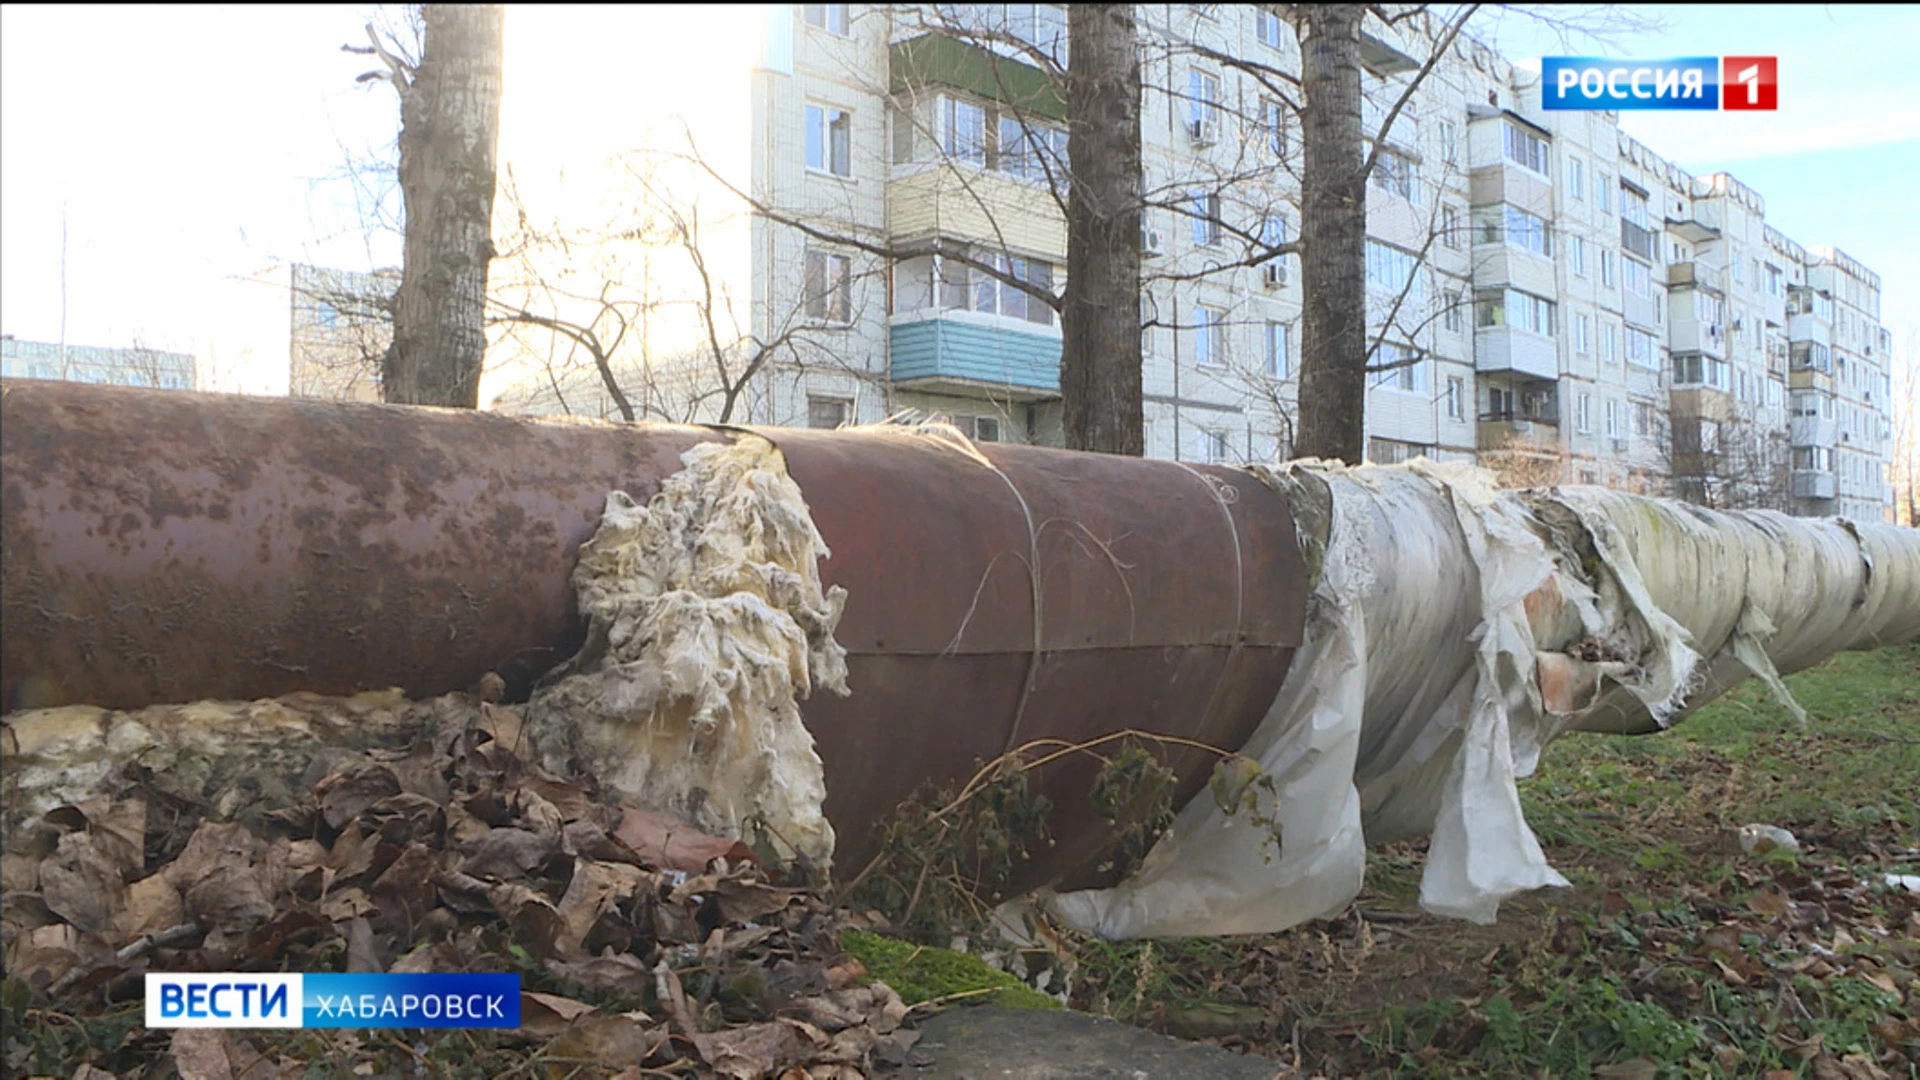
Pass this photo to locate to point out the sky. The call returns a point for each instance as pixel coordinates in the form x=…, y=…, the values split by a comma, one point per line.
x=207, y=143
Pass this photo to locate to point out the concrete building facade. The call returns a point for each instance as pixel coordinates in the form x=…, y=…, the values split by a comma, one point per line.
x=91, y=364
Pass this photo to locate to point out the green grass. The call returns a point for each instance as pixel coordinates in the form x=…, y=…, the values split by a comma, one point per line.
x=1665, y=960
x=920, y=973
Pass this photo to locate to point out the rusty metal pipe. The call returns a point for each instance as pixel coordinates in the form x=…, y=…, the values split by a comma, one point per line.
x=162, y=546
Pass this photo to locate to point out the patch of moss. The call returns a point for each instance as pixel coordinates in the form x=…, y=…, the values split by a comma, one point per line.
x=921, y=973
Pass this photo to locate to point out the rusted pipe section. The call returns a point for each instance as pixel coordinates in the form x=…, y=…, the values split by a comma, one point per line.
x=162, y=546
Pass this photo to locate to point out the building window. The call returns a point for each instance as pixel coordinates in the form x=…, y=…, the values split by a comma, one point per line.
x=1609, y=343
x=1394, y=172
x=1450, y=318
x=1456, y=395
x=1639, y=278
x=1641, y=351
x=829, y=17
x=963, y=131
x=1450, y=228
x=1511, y=307
x=1212, y=447
x=1449, y=142
x=1031, y=151
x=1576, y=179
x=1528, y=232
x=1273, y=233
x=1209, y=336
x=830, y=140
x=1393, y=451
x=1269, y=28
x=828, y=413
x=1633, y=206
x=1577, y=255
x=1277, y=350
x=1525, y=149
x=1206, y=218
x=1642, y=418
x=1583, y=413
x=1606, y=267
x=1398, y=367
x=1203, y=94
x=1393, y=271
x=1613, y=419
x=1696, y=370
x=936, y=283
x=1580, y=334
x=1602, y=187
x=1273, y=123
x=829, y=288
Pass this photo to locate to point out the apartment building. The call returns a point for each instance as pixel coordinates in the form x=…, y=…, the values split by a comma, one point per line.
x=91, y=364
x=1541, y=286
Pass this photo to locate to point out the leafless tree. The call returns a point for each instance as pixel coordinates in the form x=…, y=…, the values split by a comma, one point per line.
x=1904, y=410
x=449, y=136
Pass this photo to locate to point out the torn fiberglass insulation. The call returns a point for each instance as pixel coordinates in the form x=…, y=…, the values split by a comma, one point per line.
x=707, y=621
x=1454, y=631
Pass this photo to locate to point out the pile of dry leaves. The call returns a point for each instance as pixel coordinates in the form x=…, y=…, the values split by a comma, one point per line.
x=643, y=945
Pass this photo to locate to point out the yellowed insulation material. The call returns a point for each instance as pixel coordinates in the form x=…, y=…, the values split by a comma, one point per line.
x=707, y=622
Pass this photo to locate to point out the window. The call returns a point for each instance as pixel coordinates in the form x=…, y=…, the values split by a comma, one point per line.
x=1583, y=413
x=1576, y=179
x=1278, y=357
x=1031, y=151
x=829, y=17
x=933, y=283
x=1773, y=281
x=1456, y=396
x=1633, y=206
x=1525, y=149
x=1606, y=267
x=1577, y=255
x=1392, y=270
x=1602, y=189
x=1450, y=228
x=829, y=290
x=1641, y=351
x=828, y=413
x=1269, y=28
x=1393, y=451
x=1212, y=447
x=1522, y=311
x=1580, y=340
x=830, y=140
x=963, y=131
x=1613, y=419
x=1693, y=369
x=1642, y=418
x=1449, y=142
x=1394, y=172
x=1609, y=343
x=1273, y=122
x=1398, y=367
x=1527, y=231
x=1203, y=90
x=1639, y=280
x=1206, y=218
x=1451, y=316
x=1209, y=336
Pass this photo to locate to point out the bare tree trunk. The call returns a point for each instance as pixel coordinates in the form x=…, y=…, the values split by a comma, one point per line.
x=1100, y=309
x=449, y=135
x=1333, y=234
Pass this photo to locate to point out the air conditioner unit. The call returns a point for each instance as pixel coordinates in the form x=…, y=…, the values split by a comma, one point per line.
x=1203, y=132
x=1274, y=275
x=1151, y=244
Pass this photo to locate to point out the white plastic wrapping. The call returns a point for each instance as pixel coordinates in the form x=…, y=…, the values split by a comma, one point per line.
x=1453, y=632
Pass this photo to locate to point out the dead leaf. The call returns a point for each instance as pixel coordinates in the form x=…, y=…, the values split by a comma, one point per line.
x=404, y=892
x=739, y=899
x=203, y=1054
x=668, y=844
x=1634, y=1069
x=81, y=884
x=546, y=1015
x=507, y=854
x=346, y=905
x=610, y=972
x=153, y=904
x=595, y=888
x=88, y=1072
x=346, y=794
x=1772, y=902
x=754, y=1051
x=611, y=1040
x=362, y=954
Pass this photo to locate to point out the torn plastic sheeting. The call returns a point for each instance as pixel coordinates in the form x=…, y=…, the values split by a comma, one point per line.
x=707, y=622
x=1416, y=701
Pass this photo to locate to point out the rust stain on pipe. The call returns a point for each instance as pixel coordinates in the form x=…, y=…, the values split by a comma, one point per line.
x=163, y=546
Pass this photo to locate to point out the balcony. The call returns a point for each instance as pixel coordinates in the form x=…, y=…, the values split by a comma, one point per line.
x=1809, y=328
x=940, y=60
x=1636, y=240
x=1692, y=335
x=1812, y=431
x=1694, y=275
x=974, y=355
x=1813, y=484
x=1502, y=348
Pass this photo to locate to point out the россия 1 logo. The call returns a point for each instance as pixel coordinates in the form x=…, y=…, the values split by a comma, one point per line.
x=1691, y=82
